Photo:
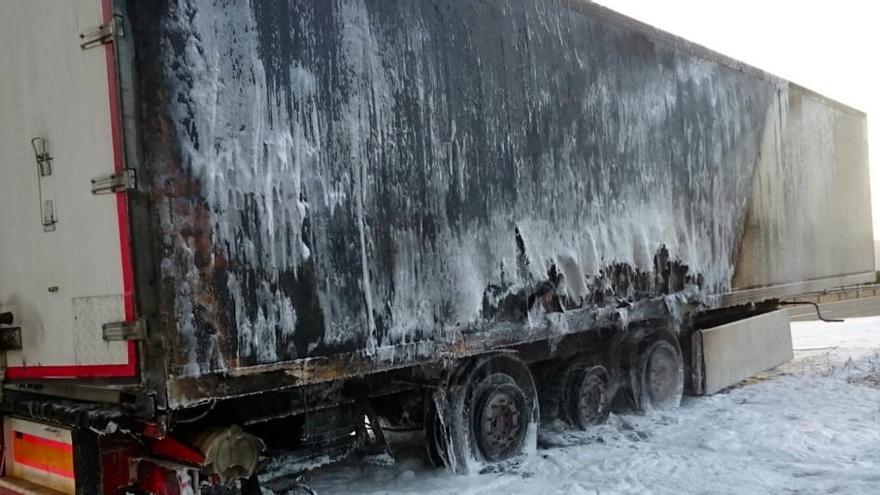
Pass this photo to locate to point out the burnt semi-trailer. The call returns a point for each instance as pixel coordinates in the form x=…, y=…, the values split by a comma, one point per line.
x=250, y=234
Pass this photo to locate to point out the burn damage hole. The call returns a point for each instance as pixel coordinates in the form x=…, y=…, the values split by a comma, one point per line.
x=614, y=284
x=499, y=303
x=623, y=283
x=522, y=260
x=546, y=293
x=502, y=305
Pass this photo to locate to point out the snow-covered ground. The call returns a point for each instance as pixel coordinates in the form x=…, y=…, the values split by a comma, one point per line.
x=812, y=426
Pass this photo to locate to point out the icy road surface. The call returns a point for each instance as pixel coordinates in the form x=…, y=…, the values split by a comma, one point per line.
x=812, y=426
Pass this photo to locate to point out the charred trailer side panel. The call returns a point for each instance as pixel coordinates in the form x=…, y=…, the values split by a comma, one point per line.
x=342, y=187
x=221, y=219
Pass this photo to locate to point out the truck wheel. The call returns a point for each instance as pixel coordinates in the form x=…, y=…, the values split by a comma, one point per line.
x=500, y=418
x=491, y=413
x=435, y=438
x=661, y=377
x=586, y=400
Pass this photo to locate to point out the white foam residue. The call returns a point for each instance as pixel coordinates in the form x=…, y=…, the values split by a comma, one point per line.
x=250, y=168
x=422, y=270
x=811, y=428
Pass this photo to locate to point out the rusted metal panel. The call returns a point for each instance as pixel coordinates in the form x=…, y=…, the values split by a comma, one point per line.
x=351, y=186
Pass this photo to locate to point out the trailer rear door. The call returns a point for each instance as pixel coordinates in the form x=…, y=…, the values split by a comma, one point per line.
x=65, y=264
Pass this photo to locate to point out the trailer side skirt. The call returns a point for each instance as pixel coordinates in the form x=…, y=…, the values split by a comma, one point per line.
x=736, y=351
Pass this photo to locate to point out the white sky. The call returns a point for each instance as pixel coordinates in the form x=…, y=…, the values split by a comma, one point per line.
x=830, y=47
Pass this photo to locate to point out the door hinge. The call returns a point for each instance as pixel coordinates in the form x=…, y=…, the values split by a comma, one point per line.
x=125, y=330
x=114, y=183
x=103, y=34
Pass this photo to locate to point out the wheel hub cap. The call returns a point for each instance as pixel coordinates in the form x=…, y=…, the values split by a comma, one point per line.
x=500, y=425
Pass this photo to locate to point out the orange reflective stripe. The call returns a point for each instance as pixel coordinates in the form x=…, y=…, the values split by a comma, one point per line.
x=44, y=454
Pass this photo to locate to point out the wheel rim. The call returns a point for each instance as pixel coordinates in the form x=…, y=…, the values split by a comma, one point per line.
x=592, y=399
x=662, y=378
x=465, y=398
x=501, y=422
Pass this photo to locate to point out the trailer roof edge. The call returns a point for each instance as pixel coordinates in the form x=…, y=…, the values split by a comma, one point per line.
x=678, y=42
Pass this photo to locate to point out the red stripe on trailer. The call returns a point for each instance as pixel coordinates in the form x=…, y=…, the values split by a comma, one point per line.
x=45, y=442
x=77, y=371
x=119, y=165
x=173, y=449
x=129, y=368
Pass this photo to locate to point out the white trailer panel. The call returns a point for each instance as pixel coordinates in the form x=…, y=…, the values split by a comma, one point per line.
x=64, y=269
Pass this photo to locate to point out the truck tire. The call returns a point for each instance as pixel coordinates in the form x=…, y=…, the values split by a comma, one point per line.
x=491, y=413
x=586, y=396
x=660, y=376
x=435, y=437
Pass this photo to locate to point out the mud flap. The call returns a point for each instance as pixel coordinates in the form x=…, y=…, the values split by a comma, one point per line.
x=728, y=354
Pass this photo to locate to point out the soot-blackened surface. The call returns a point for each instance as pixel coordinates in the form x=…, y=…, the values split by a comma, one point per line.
x=351, y=175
